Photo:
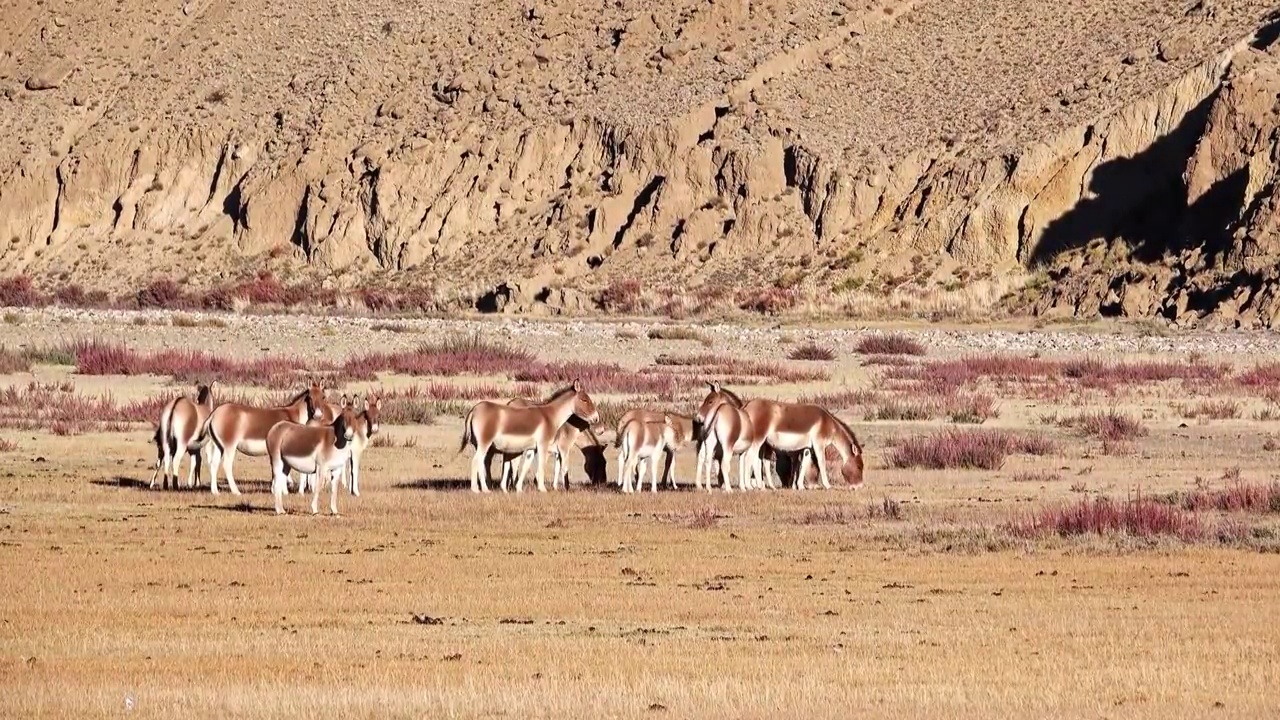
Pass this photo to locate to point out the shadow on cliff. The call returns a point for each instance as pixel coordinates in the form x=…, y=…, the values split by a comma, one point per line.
x=1143, y=199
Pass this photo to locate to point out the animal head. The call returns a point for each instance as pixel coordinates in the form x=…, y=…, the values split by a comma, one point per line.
x=315, y=400
x=344, y=424
x=850, y=451
x=204, y=392
x=715, y=397
x=371, y=407
x=583, y=406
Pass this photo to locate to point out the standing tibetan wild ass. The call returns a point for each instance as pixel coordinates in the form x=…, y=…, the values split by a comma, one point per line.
x=180, y=433
x=320, y=450
x=491, y=426
x=233, y=428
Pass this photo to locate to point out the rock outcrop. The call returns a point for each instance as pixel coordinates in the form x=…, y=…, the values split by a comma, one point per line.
x=522, y=178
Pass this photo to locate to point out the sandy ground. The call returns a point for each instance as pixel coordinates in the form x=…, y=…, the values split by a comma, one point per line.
x=423, y=599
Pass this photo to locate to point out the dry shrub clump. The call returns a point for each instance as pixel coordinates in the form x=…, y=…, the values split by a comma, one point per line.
x=19, y=291
x=1109, y=426
x=1239, y=497
x=1139, y=517
x=970, y=449
x=60, y=410
x=7, y=445
x=621, y=296
x=890, y=344
x=811, y=351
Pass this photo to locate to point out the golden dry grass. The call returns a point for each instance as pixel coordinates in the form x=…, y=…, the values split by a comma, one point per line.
x=423, y=600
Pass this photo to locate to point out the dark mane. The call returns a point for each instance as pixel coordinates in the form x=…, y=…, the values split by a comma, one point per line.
x=733, y=397
x=559, y=394
x=849, y=431
x=295, y=398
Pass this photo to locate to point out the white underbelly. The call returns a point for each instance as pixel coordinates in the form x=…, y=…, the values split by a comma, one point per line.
x=789, y=442
x=513, y=444
x=253, y=448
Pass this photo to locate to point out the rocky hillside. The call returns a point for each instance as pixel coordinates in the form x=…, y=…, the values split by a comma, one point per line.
x=773, y=154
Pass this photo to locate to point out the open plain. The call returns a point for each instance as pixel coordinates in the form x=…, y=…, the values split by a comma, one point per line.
x=988, y=577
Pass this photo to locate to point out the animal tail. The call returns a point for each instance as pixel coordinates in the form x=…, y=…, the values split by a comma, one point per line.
x=467, y=436
x=702, y=430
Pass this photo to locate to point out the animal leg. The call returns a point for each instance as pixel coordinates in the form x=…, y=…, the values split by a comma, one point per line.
x=355, y=475
x=480, y=469
x=215, y=462
x=279, y=488
x=820, y=457
x=323, y=477
x=653, y=472
x=228, y=458
x=669, y=467
x=724, y=461
x=805, y=460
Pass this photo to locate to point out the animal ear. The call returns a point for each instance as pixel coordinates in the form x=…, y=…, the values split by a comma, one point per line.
x=346, y=401
x=666, y=418
x=577, y=385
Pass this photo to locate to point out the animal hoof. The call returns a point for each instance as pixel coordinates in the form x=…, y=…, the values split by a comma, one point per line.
x=280, y=512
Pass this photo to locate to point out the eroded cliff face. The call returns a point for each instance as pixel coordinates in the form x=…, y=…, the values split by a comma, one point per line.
x=461, y=185
x=1207, y=252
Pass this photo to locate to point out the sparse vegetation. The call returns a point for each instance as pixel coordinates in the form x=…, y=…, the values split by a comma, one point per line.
x=973, y=449
x=811, y=351
x=890, y=344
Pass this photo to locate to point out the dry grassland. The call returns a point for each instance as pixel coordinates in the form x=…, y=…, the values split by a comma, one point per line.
x=910, y=596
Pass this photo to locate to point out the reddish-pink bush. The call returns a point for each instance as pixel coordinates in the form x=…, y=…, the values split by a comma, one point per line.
x=1140, y=517
x=164, y=294
x=768, y=301
x=978, y=449
x=1238, y=497
x=19, y=291
x=621, y=296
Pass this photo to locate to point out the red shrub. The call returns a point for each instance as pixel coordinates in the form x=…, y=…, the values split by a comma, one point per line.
x=18, y=291
x=982, y=449
x=891, y=344
x=75, y=296
x=1140, y=517
x=7, y=445
x=621, y=296
x=1239, y=497
x=164, y=294
x=769, y=301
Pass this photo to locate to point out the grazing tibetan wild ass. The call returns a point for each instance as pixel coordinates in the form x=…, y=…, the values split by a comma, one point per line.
x=726, y=429
x=639, y=442
x=179, y=434
x=233, y=428
x=321, y=450
x=576, y=432
x=686, y=430
x=492, y=426
x=805, y=429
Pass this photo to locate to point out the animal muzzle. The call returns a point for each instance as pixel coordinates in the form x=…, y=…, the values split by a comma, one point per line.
x=373, y=429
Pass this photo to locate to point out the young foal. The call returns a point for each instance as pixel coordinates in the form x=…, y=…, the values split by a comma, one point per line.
x=179, y=434
x=686, y=431
x=322, y=450
x=242, y=428
x=492, y=426
x=639, y=442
